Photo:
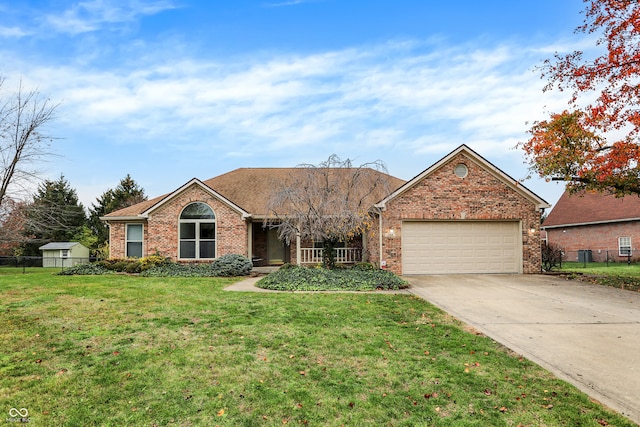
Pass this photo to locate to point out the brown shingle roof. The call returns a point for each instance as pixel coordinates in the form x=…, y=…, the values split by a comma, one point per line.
x=590, y=207
x=136, y=209
x=248, y=188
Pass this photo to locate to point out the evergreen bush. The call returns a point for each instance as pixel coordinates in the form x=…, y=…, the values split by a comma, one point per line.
x=179, y=270
x=133, y=267
x=231, y=265
x=364, y=266
x=153, y=261
x=296, y=278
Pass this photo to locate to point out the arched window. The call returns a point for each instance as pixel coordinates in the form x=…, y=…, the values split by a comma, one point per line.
x=197, y=230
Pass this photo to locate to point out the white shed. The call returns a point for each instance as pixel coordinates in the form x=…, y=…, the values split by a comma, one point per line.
x=64, y=254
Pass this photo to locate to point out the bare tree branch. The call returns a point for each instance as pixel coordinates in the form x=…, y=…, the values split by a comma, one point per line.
x=329, y=202
x=23, y=117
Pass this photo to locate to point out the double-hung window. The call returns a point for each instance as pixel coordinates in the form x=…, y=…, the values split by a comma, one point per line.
x=134, y=240
x=197, y=231
x=624, y=246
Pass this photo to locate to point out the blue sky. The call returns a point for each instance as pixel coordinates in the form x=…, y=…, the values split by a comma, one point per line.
x=168, y=90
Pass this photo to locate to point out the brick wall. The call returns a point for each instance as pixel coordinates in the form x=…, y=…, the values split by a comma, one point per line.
x=161, y=228
x=442, y=195
x=597, y=238
x=117, y=241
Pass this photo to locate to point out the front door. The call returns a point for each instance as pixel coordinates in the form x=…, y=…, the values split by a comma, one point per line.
x=275, y=248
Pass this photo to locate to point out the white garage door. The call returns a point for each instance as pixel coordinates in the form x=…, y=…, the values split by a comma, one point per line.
x=438, y=247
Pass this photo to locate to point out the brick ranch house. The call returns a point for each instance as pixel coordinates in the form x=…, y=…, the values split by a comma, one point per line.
x=460, y=215
x=594, y=225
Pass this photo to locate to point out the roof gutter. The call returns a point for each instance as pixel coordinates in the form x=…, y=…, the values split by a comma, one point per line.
x=578, y=224
x=123, y=218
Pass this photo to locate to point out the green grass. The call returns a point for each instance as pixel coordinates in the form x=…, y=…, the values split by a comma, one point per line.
x=120, y=350
x=619, y=275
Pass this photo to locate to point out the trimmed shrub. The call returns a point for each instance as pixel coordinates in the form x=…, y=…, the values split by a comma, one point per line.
x=84, y=270
x=133, y=267
x=179, y=270
x=153, y=261
x=364, y=266
x=104, y=264
x=231, y=265
x=159, y=266
x=116, y=264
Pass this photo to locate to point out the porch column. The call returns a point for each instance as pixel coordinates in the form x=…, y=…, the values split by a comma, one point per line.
x=298, y=250
x=250, y=240
x=364, y=247
x=380, y=254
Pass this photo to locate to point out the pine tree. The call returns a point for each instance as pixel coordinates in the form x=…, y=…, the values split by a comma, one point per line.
x=127, y=193
x=55, y=215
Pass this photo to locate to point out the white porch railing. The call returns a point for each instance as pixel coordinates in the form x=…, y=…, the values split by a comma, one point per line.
x=343, y=255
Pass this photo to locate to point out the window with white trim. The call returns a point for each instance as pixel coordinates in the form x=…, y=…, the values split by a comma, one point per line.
x=197, y=232
x=64, y=253
x=134, y=238
x=624, y=246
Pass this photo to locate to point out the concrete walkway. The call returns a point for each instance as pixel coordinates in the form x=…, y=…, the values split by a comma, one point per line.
x=588, y=335
x=249, y=285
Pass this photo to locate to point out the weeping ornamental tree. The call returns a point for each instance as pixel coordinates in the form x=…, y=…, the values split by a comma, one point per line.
x=329, y=203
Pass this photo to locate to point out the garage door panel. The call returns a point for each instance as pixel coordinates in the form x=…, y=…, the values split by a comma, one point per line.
x=433, y=247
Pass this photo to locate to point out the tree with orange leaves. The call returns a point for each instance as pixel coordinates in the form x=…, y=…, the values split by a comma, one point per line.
x=595, y=146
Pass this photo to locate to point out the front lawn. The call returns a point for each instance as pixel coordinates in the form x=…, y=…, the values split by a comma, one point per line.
x=122, y=350
x=619, y=275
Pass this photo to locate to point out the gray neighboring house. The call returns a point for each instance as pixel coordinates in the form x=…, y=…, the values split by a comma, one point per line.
x=64, y=254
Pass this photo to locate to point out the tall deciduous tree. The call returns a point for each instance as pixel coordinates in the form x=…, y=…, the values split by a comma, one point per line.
x=595, y=146
x=24, y=116
x=126, y=193
x=54, y=215
x=327, y=203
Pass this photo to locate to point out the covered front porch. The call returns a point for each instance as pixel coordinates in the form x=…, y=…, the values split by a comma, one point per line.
x=343, y=255
x=268, y=250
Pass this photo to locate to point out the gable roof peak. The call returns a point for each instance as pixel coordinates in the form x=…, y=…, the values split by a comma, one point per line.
x=477, y=158
x=197, y=182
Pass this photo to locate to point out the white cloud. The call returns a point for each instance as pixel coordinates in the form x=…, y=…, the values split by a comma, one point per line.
x=405, y=102
x=479, y=95
x=14, y=32
x=92, y=15
x=287, y=3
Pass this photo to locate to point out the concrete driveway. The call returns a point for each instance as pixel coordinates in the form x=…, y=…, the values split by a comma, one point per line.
x=588, y=335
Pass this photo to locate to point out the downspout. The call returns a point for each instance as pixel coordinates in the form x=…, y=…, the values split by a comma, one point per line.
x=380, y=237
x=108, y=241
x=298, y=249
